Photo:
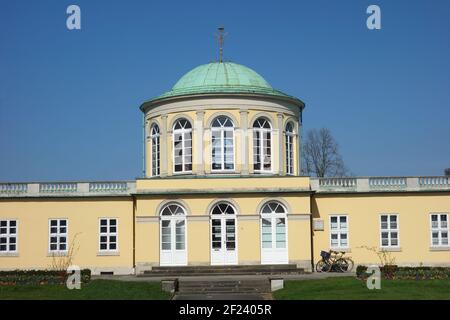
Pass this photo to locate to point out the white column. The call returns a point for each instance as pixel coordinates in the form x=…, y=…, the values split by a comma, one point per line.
x=164, y=149
x=299, y=149
x=244, y=142
x=199, y=145
x=280, y=144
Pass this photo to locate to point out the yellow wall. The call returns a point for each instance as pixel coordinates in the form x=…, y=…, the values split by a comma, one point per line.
x=214, y=184
x=198, y=231
x=83, y=225
x=364, y=211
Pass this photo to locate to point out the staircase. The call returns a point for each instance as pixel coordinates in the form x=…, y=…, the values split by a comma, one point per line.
x=269, y=270
x=223, y=286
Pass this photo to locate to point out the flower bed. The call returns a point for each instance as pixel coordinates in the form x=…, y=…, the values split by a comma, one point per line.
x=38, y=277
x=412, y=273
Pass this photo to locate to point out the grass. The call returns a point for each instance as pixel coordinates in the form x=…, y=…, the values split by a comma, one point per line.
x=350, y=288
x=94, y=290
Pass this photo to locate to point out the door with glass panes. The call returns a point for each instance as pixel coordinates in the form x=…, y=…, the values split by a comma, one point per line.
x=223, y=235
x=173, y=236
x=274, y=248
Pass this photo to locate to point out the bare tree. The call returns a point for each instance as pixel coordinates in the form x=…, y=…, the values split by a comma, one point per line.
x=321, y=155
x=447, y=171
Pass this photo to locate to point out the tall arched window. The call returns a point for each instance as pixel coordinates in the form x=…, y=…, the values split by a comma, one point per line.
x=223, y=234
x=182, y=146
x=273, y=233
x=155, y=147
x=290, y=135
x=262, y=146
x=173, y=235
x=222, y=140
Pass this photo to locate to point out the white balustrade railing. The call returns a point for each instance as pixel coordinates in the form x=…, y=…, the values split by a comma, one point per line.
x=13, y=187
x=108, y=187
x=66, y=188
x=58, y=187
x=387, y=182
x=434, y=182
x=380, y=184
x=337, y=182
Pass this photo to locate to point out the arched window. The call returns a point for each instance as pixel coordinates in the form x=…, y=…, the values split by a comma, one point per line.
x=223, y=234
x=290, y=135
x=155, y=147
x=262, y=151
x=273, y=233
x=222, y=151
x=173, y=235
x=182, y=146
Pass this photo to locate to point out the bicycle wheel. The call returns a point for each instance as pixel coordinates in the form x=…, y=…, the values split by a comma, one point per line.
x=322, y=266
x=342, y=265
x=350, y=264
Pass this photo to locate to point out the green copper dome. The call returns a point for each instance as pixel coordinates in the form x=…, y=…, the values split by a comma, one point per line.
x=221, y=77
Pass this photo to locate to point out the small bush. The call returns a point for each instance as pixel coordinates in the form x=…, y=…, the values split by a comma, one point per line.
x=411, y=273
x=38, y=277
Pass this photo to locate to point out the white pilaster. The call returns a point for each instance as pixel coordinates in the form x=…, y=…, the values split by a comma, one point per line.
x=164, y=148
x=244, y=141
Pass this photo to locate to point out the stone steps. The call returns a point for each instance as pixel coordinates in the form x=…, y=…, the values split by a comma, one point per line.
x=285, y=269
x=224, y=286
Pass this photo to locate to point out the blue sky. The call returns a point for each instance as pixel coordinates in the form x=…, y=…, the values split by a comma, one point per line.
x=69, y=99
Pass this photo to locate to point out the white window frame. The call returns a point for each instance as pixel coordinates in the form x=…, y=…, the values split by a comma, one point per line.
x=58, y=235
x=439, y=229
x=262, y=131
x=8, y=236
x=290, y=147
x=108, y=234
x=390, y=230
x=183, y=147
x=155, y=157
x=222, y=146
x=339, y=231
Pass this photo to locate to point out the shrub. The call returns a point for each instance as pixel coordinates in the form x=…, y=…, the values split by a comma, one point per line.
x=412, y=273
x=38, y=277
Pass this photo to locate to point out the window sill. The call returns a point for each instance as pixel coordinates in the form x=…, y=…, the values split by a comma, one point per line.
x=391, y=249
x=9, y=254
x=57, y=254
x=108, y=253
x=440, y=248
x=346, y=250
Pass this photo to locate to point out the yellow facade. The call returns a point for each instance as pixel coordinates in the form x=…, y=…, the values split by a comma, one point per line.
x=363, y=212
x=83, y=215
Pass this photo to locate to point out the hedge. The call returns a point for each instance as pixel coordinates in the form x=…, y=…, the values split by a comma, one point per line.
x=38, y=277
x=414, y=273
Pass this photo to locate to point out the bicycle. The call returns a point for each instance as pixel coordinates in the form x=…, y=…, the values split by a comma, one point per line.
x=334, y=261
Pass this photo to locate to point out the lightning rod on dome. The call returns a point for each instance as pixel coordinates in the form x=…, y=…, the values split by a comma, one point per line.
x=221, y=37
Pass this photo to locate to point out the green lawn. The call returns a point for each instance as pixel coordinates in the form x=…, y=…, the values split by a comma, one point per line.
x=96, y=289
x=352, y=288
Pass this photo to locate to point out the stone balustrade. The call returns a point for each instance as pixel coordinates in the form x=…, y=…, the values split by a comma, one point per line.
x=380, y=184
x=67, y=189
x=114, y=188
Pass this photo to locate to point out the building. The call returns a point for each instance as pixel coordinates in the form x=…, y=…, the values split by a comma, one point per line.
x=222, y=186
